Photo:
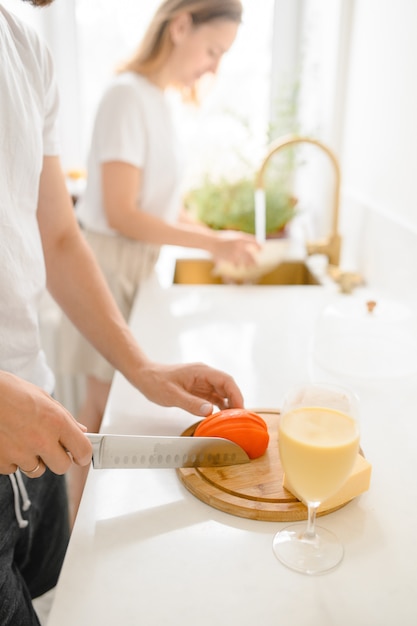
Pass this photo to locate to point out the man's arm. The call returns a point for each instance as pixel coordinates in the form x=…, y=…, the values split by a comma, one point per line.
x=76, y=283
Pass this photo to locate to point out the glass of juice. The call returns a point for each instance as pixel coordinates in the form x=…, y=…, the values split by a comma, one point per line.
x=318, y=440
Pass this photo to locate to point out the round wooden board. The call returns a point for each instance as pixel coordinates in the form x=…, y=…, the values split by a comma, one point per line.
x=253, y=490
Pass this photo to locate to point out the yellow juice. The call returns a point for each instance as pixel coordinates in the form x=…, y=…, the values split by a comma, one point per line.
x=318, y=448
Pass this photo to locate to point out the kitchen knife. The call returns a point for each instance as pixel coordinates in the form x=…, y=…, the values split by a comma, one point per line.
x=148, y=451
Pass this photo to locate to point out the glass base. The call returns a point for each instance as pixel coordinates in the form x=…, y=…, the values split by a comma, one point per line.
x=307, y=554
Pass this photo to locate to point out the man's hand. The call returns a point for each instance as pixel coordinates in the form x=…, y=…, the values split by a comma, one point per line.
x=194, y=387
x=36, y=431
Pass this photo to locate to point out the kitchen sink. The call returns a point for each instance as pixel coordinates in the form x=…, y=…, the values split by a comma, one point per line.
x=200, y=272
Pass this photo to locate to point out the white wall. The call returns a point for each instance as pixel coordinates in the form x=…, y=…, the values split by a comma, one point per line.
x=358, y=74
x=379, y=157
x=380, y=154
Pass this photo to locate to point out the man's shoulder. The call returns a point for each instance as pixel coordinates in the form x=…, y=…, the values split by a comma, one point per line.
x=20, y=31
x=23, y=38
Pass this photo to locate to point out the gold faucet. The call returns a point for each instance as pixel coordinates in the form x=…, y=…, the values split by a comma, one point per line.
x=331, y=245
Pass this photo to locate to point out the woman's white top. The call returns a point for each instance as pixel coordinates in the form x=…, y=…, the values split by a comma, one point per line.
x=28, y=132
x=134, y=124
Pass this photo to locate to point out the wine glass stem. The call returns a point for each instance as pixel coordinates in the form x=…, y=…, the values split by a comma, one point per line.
x=312, y=507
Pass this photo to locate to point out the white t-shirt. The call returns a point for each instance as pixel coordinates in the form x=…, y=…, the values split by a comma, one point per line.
x=134, y=124
x=28, y=131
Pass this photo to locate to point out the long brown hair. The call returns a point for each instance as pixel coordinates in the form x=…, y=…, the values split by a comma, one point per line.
x=156, y=44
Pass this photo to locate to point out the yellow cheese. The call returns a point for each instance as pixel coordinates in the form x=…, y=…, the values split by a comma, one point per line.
x=357, y=483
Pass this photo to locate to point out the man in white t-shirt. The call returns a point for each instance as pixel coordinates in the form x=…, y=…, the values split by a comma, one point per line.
x=40, y=244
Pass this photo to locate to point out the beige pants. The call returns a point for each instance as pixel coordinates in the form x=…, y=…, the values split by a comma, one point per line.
x=125, y=263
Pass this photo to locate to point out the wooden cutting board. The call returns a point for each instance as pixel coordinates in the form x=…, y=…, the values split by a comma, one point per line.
x=253, y=490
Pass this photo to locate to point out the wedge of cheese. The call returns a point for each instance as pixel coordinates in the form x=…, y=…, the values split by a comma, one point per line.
x=357, y=483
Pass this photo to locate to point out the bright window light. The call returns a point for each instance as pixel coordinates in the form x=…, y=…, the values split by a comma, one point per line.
x=234, y=116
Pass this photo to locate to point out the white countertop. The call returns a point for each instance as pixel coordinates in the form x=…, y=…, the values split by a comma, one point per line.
x=146, y=551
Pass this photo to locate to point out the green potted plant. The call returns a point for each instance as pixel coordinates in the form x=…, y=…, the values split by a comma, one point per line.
x=228, y=201
x=224, y=205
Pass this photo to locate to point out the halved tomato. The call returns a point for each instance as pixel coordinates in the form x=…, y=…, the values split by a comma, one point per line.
x=245, y=428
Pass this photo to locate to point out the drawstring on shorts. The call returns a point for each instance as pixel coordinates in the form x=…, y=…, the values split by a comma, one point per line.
x=19, y=491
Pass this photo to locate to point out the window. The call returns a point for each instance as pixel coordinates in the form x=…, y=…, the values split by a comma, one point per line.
x=89, y=37
x=236, y=110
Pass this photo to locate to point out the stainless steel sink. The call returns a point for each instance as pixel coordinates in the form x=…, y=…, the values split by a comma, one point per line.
x=200, y=272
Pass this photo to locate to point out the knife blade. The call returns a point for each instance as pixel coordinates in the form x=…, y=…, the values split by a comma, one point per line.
x=148, y=451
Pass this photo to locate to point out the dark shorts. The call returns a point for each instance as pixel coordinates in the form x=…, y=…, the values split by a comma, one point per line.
x=31, y=557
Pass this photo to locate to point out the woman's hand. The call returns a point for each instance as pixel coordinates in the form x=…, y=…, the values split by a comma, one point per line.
x=235, y=247
x=36, y=431
x=194, y=387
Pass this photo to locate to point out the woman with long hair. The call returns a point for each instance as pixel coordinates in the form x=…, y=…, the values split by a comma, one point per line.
x=132, y=199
